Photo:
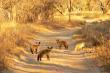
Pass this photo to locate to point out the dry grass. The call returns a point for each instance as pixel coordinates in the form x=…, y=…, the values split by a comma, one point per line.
x=14, y=35
x=98, y=34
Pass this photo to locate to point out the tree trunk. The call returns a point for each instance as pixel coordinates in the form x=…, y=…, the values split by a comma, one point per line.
x=69, y=10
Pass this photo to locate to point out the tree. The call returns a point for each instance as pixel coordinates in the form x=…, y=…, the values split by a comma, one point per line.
x=104, y=7
x=88, y=4
x=70, y=9
x=10, y=7
x=49, y=8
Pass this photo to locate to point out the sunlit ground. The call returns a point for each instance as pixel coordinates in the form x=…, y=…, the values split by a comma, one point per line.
x=61, y=61
x=89, y=16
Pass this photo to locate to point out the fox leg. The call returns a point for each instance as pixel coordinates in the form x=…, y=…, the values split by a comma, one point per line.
x=66, y=46
x=48, y=57
x=36, y=51
x=60, y=46
x=38, y=58
x=31, y=50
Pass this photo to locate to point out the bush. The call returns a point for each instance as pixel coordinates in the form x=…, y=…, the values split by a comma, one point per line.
x=14, y=35
x=97, y=33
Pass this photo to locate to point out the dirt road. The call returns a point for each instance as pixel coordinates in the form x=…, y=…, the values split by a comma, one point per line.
x=62, y=61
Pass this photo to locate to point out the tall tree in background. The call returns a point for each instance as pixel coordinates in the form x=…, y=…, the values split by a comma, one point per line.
x=104, y=7
x=69, y=8
x=88, y=4
x=10, y=7
x=49, y=8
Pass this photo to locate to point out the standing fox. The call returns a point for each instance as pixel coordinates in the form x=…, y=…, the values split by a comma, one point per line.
x=34, y=48
x=62, y=43
x=44, y=52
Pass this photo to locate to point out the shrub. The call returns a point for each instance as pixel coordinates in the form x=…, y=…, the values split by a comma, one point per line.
x=14, y=35
x=97, y=33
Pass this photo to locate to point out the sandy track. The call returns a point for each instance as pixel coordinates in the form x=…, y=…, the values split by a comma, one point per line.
x=61, y=62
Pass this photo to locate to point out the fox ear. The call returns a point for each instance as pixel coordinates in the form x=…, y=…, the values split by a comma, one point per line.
x=57, y=39
x=51, y=47
x=39, y=43
x=48, y=47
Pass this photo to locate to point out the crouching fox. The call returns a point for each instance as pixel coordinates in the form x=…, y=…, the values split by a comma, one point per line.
x=79, y=46
x=44, y=52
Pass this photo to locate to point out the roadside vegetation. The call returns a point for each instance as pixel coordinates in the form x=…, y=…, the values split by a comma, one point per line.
x=96, y=36
x=22, y=20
